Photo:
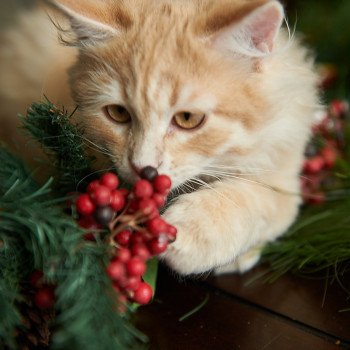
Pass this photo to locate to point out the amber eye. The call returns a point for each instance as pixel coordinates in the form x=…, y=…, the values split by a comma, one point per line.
x=187, y=120
x=118, y=113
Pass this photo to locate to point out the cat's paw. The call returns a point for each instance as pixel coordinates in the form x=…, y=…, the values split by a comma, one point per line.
x=242, y=263
x=198, y=246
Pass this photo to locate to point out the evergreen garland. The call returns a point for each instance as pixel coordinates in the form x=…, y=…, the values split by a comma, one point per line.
x=319, y=240
x=36, y=233
x=62, y=141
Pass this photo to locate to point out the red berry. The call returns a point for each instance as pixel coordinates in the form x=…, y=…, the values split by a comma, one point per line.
x=131, y=283
x=142, y=189
x=329, y=156
x=162, y=184
x=317, y=198
x=123, y=237
x=124, y=192
x=115, y=270
x=137, y=238
x=148, y=206
x=84, y=205
x=36, y=278
x=157, y=225
x=88, y=222
x=92, y=186
x=109, y=180
x=311, y=182
x=140, y=250
x=133, y=206
x=143, y=294
x=314, y=165
x=45, y=298
x=123, y=255
x=172, y=232
x=116, y=286
x=117, y=200
x=90, y=237
x=159, y=199
x=135, y=266
x=338, y=108
x=157, y=246
x=101, y=196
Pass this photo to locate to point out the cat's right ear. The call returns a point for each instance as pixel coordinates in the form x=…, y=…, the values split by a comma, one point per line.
x=91, y=21
x=249, y=29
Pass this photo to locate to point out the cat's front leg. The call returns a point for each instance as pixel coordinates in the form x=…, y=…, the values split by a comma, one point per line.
x=219, y=224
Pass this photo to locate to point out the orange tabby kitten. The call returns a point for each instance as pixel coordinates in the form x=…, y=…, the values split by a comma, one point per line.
x=213, y=93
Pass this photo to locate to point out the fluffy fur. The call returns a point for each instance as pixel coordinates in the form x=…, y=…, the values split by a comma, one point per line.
x=226, y=59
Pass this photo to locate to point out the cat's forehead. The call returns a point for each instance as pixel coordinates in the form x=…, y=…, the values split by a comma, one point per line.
x=161, y=70
x=161, y=96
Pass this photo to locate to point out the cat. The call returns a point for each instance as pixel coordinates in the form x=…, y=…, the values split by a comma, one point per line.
x=216, y=94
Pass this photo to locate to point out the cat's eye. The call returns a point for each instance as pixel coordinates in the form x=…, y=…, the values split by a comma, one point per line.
x=118, y=113
x=188, y=121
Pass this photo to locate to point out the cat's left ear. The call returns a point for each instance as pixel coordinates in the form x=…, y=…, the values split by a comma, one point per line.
x=249, y=30
x=92, y=20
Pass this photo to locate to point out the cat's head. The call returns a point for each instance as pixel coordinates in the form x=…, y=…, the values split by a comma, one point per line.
x=172, y=84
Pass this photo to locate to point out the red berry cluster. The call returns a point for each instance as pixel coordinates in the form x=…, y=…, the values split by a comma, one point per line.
x=136, y=230
x=323, y=151
x=45, y=294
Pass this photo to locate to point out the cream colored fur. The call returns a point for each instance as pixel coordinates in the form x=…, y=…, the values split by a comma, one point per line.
x=164, y=57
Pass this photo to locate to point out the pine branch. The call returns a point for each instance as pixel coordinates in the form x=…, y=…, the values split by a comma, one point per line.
x=317, y=241
x=62, y=141
x=32, y=220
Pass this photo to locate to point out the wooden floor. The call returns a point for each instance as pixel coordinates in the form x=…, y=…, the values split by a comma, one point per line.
x=293, y=313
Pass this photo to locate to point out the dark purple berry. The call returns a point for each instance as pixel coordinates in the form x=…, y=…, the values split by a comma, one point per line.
x=149, y=173
x=104, y=215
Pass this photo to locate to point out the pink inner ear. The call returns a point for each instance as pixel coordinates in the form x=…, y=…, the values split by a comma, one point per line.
x=264, y=25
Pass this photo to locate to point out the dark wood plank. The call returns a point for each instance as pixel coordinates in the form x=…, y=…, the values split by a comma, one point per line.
x=223, y=323
x=298, y=298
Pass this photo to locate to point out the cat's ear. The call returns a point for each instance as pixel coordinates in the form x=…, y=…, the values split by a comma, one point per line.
x=92, y=20
x=249, y=30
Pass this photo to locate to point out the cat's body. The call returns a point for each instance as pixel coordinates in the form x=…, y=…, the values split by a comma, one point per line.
x=211, y=91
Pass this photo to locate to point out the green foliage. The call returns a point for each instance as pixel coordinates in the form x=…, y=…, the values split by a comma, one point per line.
x=62, y=141
x=320, y=239
x=35, y=233
x=10, y=273
x=324, y=25
x=317, y=241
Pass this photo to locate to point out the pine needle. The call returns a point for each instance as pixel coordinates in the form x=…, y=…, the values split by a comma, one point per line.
x=61, y=141
x=194, y=310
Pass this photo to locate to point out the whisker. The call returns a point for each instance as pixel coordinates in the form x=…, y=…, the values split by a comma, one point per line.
x=249, y=170
x=93, y=173
x=97, y=147
x=205, y=184
x=224, y=173
x=262, y=184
